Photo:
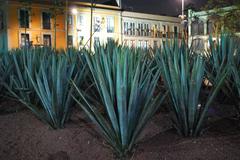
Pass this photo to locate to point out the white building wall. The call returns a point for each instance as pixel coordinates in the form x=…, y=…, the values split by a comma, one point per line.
x=156, y=30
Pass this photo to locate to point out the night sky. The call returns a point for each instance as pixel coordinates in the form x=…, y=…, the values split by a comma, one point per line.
x=167, y=7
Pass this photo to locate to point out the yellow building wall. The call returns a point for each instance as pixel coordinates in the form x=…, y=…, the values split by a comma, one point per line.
x=35, y=30
x=97, y=12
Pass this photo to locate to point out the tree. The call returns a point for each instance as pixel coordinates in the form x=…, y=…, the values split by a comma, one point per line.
x=222, y=18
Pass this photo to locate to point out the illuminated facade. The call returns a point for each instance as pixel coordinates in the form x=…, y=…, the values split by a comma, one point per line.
x=147, y=30
x=40, y=23
x=201, y=24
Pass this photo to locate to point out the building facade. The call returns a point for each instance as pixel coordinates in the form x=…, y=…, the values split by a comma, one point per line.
x=201, y=24
x=147, y=30
x=42, y=23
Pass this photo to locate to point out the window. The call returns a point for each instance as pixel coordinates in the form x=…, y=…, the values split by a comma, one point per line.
x=209, y=27
x=142, y=30
x=155, y=44
x=70, y=41
x=145, y=30
x=70, y=19
x=138, y=29
x=80, y=20
x=145, y=44
x=133, y=29
x=139, y=44
x=175, y=30
x=46, y=20
x=125, y=28
x=47, y=40
x=24, y=18
x=96, y=41
x=1, y=20
x=110, y=24
x=97, y=24
x=25, y=40
x=197, y=27
x=164, y=29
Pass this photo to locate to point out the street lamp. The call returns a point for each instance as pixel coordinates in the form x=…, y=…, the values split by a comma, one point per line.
x=182, y=16
x=74, y=11
x=184, y=21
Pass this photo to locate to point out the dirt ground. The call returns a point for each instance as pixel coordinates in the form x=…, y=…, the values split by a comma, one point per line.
x=24, y=137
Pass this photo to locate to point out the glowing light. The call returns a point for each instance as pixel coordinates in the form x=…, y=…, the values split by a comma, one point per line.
x=74, y=11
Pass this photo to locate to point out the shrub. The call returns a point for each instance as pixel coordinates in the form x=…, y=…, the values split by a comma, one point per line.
x=224, y=52
x=125, y=82
x=183, y=73
x=40, y=80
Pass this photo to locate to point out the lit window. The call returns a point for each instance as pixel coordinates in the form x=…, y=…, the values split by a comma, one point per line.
x=125, y=28
x=25, y=41
x=110, y=24
x=164, y=29
x=80, y=20
x=138, y=29
x=47, y=40
x=24, y=18
x=139, y=44
x=142, y=30
x=70, y=41
x=70, y=19
x=46, y=20
x=148, y=30
x=97, y=24
x=132, y=29
x=96, y=41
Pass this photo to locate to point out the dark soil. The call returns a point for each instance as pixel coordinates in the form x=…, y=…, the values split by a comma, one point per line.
x=24, y=137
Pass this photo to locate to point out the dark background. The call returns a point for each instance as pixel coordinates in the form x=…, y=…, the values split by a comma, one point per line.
x=163, y=7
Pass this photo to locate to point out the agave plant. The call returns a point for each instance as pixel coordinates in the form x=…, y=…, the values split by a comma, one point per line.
x=51, y=83
x=19, y=85
x=235, y=72
x=40, y=80
x=220, y=55
x=5, y=70
x=125, y=82
x=183, y=74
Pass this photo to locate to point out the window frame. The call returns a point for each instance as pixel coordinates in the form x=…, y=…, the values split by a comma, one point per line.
x=20, y=39
x=19, y=18
x=49, y=20
x=109, y=27
x=51, y=39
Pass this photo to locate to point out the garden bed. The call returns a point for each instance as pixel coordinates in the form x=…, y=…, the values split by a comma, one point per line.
x=24, y=137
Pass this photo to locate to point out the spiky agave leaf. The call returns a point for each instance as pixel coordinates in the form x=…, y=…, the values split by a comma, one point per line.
x=125, y=82
x=40, y=80
x=183, y=75
x=19, y=85
x=6, y=67
x=52, y=85
x=220, y=55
